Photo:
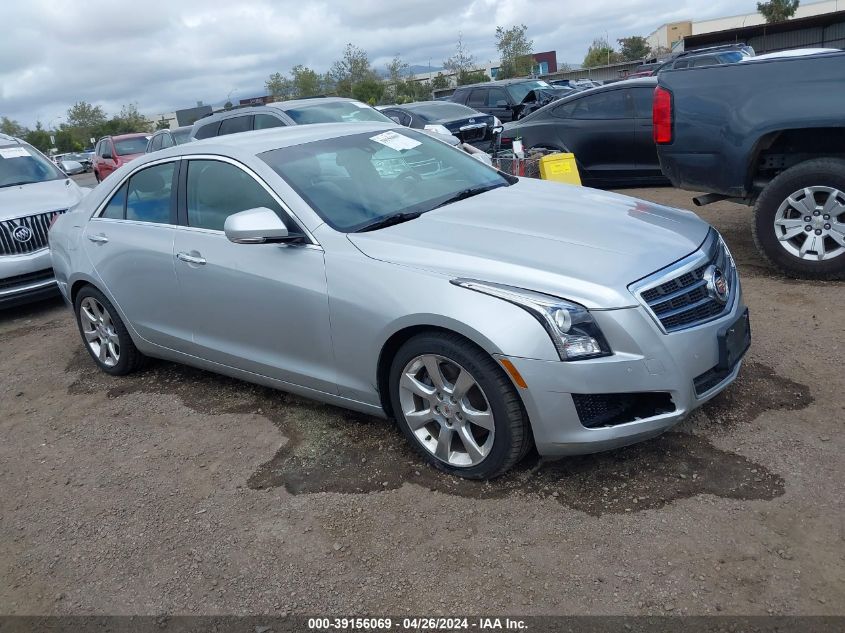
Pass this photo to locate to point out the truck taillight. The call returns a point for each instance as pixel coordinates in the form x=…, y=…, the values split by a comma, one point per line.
x=661, y=116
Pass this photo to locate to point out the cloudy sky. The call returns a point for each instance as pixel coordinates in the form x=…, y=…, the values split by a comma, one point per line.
x=166, y=55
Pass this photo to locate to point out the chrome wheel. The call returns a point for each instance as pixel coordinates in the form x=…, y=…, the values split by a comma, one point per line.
x=810, y=224
x=99, y=332
x=446, y=410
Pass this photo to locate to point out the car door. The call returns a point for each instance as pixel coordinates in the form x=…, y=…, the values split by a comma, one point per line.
x=130, y=244
x=261, y=308
x=644, y=149
x=499, y=104
x=598, y=128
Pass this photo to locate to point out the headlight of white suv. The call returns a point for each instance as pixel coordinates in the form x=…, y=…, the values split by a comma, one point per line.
x=574, y=332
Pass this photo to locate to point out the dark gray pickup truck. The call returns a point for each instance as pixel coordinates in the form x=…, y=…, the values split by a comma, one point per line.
x=768, y=133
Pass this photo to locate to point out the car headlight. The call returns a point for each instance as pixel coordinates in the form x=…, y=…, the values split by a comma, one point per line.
x=574, y=332
x=440, y=129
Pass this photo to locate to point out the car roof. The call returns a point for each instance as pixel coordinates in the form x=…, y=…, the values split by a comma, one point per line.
x=5, y=139
x=500, y=82
x=120, y=137
x=273, y=105
x=259, y=141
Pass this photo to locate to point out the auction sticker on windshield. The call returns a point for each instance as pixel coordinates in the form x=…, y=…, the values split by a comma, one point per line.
x=394, y=140
x=19, y=152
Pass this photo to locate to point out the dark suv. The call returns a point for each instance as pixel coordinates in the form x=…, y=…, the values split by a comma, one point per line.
x=295, y=112
x=503, y=99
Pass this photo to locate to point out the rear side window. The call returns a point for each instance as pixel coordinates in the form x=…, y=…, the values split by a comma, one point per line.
x=216, y=190
x=265, y=121
x=477, y=98
x=235, y=125
x=643, y=100
x=148, y=195
x=704, y=61
x=116, y=207
x=208, y=130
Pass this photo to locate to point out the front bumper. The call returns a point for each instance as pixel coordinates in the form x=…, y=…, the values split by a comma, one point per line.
x=644, y=361
x=26, y=278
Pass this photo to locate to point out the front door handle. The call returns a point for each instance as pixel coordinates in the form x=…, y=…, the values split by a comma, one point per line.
x=191, y=259
x=100, y=238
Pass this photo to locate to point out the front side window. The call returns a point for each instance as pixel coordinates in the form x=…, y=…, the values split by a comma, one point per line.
x=477, y=98
x=116, y=208
x=181, y=136
x=495, y=96
x=134, y=145
x=216, y=190
x=148, y=195
x=236, y=124
x=23, y=165
x=352, y=181
x=520, y=90
x=266, y=121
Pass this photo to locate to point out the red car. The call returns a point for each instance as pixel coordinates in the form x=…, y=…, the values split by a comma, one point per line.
x=115, y=151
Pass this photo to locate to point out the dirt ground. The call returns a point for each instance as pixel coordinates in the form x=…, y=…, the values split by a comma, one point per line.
x=177, y=491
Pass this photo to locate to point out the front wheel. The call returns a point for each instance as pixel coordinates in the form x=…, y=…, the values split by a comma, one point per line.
x=799, y=220
x=457, y=407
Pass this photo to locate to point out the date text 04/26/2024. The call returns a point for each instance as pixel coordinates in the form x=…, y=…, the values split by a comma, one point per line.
x=416, y=624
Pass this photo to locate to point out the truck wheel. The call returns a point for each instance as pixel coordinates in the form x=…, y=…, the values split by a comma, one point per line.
x=799, y=220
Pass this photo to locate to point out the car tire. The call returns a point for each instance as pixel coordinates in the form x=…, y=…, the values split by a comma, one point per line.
x=776, y=219
x=104, y=334
x=482, y=425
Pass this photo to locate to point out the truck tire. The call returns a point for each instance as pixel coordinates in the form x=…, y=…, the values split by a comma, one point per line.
x=799, y=220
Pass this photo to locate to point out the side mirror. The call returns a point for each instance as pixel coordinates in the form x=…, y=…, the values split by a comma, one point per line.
x=71, y=167
x=258, y=226
x=106, y=154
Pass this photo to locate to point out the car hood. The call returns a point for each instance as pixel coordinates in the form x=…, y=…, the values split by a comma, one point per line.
x=572, y=242
x=39, y=197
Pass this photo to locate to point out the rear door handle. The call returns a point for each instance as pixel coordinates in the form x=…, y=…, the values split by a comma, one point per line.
x=191, y=259
x=100, y=239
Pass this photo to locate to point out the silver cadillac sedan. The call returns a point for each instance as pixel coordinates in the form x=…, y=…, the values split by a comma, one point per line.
x=375, y=268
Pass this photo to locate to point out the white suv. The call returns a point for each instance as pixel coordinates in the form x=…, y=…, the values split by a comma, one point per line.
x=33, y=191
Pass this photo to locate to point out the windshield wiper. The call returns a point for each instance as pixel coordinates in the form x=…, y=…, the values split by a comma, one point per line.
x=467, y=193
x=389, y=220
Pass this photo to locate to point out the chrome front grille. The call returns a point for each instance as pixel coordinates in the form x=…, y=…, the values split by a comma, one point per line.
x=35, y=231
x=682, y=298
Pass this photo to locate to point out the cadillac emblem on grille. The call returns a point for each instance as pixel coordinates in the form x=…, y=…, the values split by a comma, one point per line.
x=717, y=284
x=22, y=234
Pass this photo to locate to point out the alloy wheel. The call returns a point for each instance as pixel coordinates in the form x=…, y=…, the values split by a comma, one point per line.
x=446, y=410
x=810, y=223
x=99, y=331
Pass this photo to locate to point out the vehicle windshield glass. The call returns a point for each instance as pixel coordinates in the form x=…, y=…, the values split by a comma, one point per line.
x=442, y=111
x=182, y=136
x=518, y=91
x=135, y=145
x=23, y=165
x=335, y=112
x=354, y=180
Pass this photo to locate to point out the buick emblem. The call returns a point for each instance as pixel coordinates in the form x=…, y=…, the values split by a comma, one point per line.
x=472, y=120
x=717, y=284
x=22, y=234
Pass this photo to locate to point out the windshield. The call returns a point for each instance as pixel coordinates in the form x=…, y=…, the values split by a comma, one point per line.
x=518, y=91
x=439, y=111
x=23, y=165
x=354, y=180
x=134, y=145
x=181, y=135
x=335, y=112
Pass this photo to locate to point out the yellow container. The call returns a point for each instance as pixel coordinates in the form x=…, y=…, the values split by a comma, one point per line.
x=560, y=168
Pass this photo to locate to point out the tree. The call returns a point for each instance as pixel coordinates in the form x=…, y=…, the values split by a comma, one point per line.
x=516, y=51
x=84, y=117
x=368, y=90
x=600, y=53
x=279, y=86
x=439, y=82
x=353, y=68
x=777, y=10
x=633, y=48
x=461, y=64
x=131, y=120
x=12, y=127
x=473, y=77
x=305, y=82
x=39, y=137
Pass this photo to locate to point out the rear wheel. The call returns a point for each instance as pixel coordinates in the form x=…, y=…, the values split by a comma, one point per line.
x=799, y=220
x=457, y=407
x=104, y=334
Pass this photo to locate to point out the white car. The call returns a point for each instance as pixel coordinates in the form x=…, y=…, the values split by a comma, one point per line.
x=33, y=192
